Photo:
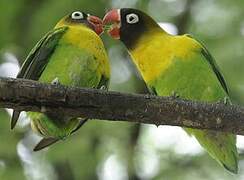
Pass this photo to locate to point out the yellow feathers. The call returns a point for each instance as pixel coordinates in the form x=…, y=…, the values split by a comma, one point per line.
x=88, y=40
x=156, y=52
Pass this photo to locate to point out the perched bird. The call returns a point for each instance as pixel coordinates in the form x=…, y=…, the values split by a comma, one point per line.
x=175, y=65
x=71, y=54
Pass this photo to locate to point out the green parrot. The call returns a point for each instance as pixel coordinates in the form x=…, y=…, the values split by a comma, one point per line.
x=175, y=65
x=71, y=54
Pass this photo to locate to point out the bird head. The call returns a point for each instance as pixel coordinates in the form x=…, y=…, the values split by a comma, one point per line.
x=81, y=18
x=127, y=24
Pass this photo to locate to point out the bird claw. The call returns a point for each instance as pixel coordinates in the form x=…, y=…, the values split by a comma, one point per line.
x=103, y=88
x=175, y=94
x=55, y=81
x=227, y=101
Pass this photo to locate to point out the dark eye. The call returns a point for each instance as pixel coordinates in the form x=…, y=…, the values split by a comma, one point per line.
x=77, y=15
x=132, y=18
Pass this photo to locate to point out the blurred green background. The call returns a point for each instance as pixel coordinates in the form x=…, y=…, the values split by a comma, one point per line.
x=116, y=150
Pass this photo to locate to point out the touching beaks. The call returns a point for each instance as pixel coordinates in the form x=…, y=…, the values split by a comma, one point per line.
x=112, y=20
x=113, y=16
x=96, y=23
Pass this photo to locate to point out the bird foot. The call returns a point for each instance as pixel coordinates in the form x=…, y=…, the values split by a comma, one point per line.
x=55, y=81
x=227, y=100
x=103, y=88
x=175, y=94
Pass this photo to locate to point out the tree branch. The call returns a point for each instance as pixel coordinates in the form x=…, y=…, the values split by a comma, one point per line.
x=29, y=95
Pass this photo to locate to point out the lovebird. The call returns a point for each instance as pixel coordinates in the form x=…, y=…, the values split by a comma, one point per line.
x=71, y=54
x=175, y=65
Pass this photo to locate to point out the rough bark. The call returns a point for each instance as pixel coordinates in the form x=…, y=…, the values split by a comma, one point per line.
x=29, y=95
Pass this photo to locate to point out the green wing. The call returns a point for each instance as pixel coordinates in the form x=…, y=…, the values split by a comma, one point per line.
x=212, y=62
x=37, y=60
x=221, y=146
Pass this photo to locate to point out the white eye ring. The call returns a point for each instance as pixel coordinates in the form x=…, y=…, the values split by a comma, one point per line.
x=77, y=15
x=132, y=18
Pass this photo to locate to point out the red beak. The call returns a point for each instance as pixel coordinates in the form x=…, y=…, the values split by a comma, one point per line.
x=96, y=23
x=113, y=19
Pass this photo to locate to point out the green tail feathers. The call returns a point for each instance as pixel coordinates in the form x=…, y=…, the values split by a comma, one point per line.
x=221, y=146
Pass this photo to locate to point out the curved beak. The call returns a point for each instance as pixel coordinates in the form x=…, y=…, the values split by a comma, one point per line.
x=96, y=23
x=112, y=23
